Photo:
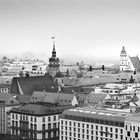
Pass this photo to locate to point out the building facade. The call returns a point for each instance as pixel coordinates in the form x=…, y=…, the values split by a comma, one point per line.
x=7, y=102
x=37, y=122
x=128, y=63
x=91, y=124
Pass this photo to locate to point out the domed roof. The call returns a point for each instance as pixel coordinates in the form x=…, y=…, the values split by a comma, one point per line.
x=123, y=51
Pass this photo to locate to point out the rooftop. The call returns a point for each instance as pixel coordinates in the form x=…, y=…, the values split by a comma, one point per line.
x=39, y=110
x=97, y=113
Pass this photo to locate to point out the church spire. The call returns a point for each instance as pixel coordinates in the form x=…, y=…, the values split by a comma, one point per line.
x=54, y=51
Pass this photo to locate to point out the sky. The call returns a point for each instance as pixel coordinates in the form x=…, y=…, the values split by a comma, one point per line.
x=85, y=30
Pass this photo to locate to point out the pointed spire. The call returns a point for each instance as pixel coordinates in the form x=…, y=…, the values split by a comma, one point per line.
x=53, y=38
x=54, y=51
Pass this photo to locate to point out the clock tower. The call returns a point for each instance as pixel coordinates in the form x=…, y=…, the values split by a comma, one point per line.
x=53, y=66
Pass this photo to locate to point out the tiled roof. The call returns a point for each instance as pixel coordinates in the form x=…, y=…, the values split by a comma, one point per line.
x=95, y=98
x=23, y=98
x=27, y=85
x=7, y=99
x=136, y=63
x=39, y=110
x=98, y=79
x=54, y=98
x=5, y=85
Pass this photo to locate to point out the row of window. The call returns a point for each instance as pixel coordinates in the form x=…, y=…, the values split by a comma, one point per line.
x=132, y=128
x=83, y=130
x=92, y=120
x=33, y=119
x=97, y=133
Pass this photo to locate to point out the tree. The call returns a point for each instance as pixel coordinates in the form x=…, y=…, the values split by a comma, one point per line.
x=4, y=59
x=90, y=68
x=134, y=72
x=103, y=67
x=67, y=73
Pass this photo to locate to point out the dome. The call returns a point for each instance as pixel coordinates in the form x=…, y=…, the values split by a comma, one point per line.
x=123, y=51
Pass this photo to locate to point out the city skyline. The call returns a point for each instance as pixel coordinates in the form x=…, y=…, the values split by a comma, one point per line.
x=84, y=30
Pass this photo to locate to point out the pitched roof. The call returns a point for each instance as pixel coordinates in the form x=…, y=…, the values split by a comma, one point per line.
x=27, y=85
x=7, y=99
x=95, y=98
x=23, y=98
x=39, y=110
x=136, y=63
x=54, y=98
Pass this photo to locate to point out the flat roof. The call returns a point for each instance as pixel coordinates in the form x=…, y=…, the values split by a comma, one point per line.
x=97, y=113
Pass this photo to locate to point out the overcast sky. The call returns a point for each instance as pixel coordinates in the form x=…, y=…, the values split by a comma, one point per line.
x=84, y=29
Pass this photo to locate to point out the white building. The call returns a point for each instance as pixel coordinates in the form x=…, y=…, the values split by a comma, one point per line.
x=7, y=102
x=34, y=121
x=128, y=63
x=88, y=123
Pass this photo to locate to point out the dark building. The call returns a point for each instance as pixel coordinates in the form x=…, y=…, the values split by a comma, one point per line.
x=53, y=67
x=26, y=85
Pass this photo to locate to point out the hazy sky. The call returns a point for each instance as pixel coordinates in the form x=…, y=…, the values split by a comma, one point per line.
x=84, y=29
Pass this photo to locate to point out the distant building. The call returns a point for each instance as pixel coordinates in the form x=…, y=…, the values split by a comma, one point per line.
x=5, y=88
x=37, y=122
x=128, y=63
x=98, y=99
x=7, y=102
x=53, y=67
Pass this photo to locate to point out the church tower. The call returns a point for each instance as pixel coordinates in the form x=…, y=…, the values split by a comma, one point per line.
x=53, y=61
x=123, y=59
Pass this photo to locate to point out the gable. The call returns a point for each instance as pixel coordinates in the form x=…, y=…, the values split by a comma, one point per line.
x=136, y=63
x=27, y=85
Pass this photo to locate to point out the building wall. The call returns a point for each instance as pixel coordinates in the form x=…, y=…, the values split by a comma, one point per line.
x=77, y=130
x=4, y=119
x=38, y=127
x=132, y=130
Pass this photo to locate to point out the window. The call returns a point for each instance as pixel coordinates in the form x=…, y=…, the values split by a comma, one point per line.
x=31, y=119
x=136, y=135
x=43, y=126
x=43, y=119
x=133, y=128
x=128, y=133
x=34, y=119
x=49, y=126
x=49, y=118
x=35, y=127
x=54, y=125
x=12, y=116
x=54, y=118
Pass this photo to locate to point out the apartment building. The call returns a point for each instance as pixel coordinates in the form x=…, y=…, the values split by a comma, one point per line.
x=7, y=102
x=92, y=124
x=132, y=127
x=35, y=121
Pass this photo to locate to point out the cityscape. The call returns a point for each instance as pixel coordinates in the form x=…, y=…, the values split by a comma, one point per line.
x=69, y=70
